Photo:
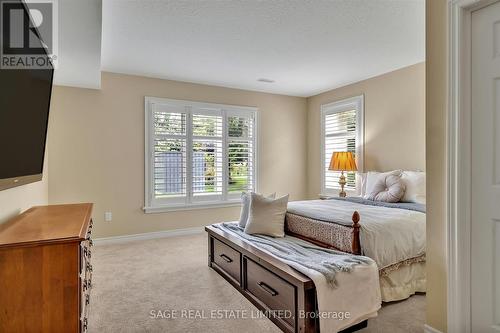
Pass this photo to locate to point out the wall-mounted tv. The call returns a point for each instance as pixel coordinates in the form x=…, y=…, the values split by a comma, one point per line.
x=24, y=113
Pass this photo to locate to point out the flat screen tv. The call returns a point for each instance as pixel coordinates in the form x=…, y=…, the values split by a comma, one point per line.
x=24, y=113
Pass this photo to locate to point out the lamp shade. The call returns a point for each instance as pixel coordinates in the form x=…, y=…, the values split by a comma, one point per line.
x=343, y=161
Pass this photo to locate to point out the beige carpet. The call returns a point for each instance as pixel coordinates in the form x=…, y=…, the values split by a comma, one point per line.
x=131, y=280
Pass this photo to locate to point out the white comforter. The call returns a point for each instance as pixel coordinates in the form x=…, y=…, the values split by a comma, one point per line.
x=387, y=235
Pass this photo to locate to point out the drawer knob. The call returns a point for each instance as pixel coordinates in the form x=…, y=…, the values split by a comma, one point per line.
x=87, y=284
x=267, y=288
x=226, y=258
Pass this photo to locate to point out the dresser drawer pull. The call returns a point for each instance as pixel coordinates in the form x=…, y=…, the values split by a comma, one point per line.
x=267, y=288
x=85, y=324
x=226, y=258
x=87, y=284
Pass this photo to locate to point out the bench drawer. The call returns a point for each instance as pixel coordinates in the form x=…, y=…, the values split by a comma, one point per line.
x=228, y=259
x=273, y=291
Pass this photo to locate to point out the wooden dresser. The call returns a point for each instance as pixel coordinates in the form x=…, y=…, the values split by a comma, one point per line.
x=45, y=269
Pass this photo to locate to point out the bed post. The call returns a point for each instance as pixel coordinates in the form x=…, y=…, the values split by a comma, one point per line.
x=356, y=245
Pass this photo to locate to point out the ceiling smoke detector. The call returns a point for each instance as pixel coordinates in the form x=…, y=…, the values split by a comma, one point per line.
x=265, y=80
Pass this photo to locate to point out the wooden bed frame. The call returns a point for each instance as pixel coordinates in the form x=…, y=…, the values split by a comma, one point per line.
x=355, y=245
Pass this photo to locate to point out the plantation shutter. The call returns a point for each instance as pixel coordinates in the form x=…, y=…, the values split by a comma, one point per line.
x=169, y=153
x=240, y=153
x=207, y=154
x=198, y=154
x=340, y=131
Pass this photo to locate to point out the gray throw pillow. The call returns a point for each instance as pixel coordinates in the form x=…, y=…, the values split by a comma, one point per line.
x=373, y=176
x=267, y=216
x=387, y=188
x=245, y=206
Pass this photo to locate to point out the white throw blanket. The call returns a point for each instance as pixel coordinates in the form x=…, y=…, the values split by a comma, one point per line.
x=388, y=235
x=355, y=298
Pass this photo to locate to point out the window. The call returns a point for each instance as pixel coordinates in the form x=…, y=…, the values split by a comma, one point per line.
x=341, y=130
x=198, y=154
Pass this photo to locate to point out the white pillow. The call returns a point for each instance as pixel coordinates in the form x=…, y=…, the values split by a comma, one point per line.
x=415, y=186
x=372, y=178
x=361, y=182
x=267, y=216
x=245, y=204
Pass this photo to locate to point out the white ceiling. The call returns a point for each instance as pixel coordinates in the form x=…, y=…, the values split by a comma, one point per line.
x=306, y=46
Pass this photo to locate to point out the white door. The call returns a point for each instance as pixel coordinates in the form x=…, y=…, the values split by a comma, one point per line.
x=485, y=213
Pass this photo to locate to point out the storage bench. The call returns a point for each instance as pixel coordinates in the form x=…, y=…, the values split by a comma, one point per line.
x=275, y=288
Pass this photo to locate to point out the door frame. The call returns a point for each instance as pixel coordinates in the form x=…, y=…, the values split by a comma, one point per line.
x=459, y=177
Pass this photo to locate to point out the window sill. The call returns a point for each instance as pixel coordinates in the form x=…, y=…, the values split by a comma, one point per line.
x=192, y=206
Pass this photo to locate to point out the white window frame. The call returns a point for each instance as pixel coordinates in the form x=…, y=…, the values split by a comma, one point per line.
x=153, y=205
x=353, y=103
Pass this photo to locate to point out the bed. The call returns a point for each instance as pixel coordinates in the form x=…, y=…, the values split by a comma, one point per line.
x=391, y=234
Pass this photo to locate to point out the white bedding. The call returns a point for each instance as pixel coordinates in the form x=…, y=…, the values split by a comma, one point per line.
x=387, y=235
x=403, y=282
x=390, y=235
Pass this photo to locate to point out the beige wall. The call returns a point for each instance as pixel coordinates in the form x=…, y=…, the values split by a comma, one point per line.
x=96, y=140
x=436, y=106
x=394, y=119
x=16, y=200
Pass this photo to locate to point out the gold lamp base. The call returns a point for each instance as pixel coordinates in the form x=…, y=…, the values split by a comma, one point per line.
x=342, y=183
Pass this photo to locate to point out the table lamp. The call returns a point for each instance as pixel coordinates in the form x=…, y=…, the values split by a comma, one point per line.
x=342, y=161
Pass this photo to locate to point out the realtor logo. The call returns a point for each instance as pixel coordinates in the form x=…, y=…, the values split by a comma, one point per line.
x=28, y=34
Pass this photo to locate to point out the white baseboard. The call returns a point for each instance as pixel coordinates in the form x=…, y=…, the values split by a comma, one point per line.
x=148, y=235
x=430, y=329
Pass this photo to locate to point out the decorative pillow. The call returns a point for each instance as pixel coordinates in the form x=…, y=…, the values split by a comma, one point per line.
x=387, y=188
x=245, y=204
x=415, y=186
x=267, y=216
x=372, y=178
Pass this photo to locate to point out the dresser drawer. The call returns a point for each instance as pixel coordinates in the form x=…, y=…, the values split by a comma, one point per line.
x=228, y=259
x=277, y=294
